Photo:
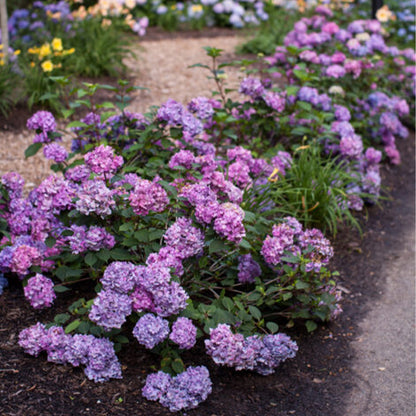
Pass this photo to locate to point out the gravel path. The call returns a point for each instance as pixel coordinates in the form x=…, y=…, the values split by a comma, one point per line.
x=162, y=67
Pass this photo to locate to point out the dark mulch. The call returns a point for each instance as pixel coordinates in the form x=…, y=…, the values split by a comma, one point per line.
x=316, y=382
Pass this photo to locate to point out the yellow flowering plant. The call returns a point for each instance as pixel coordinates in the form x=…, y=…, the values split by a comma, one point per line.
x=41, y=66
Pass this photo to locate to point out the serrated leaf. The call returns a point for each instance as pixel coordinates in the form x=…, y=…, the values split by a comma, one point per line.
x=61, y=318
x=228, y=303
x=255, y=312
x=32, y=149
x=272, y=327
x=142, y=236
x=72, y=326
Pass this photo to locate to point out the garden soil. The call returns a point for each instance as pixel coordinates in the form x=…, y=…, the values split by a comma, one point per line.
x=360, y=364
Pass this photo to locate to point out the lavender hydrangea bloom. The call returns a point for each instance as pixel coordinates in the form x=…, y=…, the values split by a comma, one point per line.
x=351, y=146
x=95, y=197
x=183, y=333
x=151, y=330
x=248, y=269
x=97, y=354
x=102, y=361
x=102, y=160
x=168, y=257
x=185, y=391
x=14, y=184
x=262, y=355
x=43, y=122
x=32, y=339
x=229, y=222
x=373, y=156
x=183, y=158
x=110, y=309
x=78, y=173
x=55, y=152
x=252, y=87
x=120, y=276
x=184, y=238
x=171, y=112
x=169, y=300
x=39, y=291
x=23, y=258
x=148, y=196
x=335, y=71
x=98, y=238
x=275, y=101
x=54, y=194
x=342, y=113
x=202, y=106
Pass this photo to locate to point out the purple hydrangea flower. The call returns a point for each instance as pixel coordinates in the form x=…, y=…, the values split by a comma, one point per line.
x=55, y=152
x=120, y=276
x=335, y=71
x=148, y=196
x=183, y=333
x=151, y=330
x=102, y=160
x=95, y=197
x=185, y=391
x=110, y=309
x=14, y=184
x=248, y=269
x=184, y=238
x=252, y=87
x=39, y=291
x=229, y=222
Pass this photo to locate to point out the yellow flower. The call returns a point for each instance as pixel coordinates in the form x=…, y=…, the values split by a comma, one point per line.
x=1, y=46
x=33, y=51
x=45, y=50
x=1, y=62
x=32, y=64
x=196, y=8
x=16, y=52
x=68, y=51
x=274, y=175
x=47, y=66
x=57, y=44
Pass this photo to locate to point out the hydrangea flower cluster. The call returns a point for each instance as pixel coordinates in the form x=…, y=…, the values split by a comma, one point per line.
x=93, y=238
x=151, y=330
x=184, y=391
x=262, y=355
x=148, y=196
x=43, y=122
x=39, y=291
x=97, y=354
x=183, y=333
x=289, y=238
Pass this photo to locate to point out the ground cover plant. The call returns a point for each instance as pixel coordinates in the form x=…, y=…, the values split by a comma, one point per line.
x=172, y=225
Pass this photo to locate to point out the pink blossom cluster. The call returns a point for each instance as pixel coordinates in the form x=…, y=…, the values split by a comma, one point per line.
x=39, y=291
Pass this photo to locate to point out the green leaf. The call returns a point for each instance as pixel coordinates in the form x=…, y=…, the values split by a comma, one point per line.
x=90, y=259
x=76, y=123
x=178, y=366
x=311, y=326
x=32, y=149
x=50, y=242
x=301, y=285
x=120, y=254
x=287, y=296
x=61, y=289
x=84, y=327
x=72, y=326
x=228, y=303
x=255, y=312
x=142, y=236
x=156, y=235
x=67, y=113
x=217, y=246
x=61, y=318
x=272, y=327
x=292, y=90
x=245, y=244
x=103, y=254
x=122, y=339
